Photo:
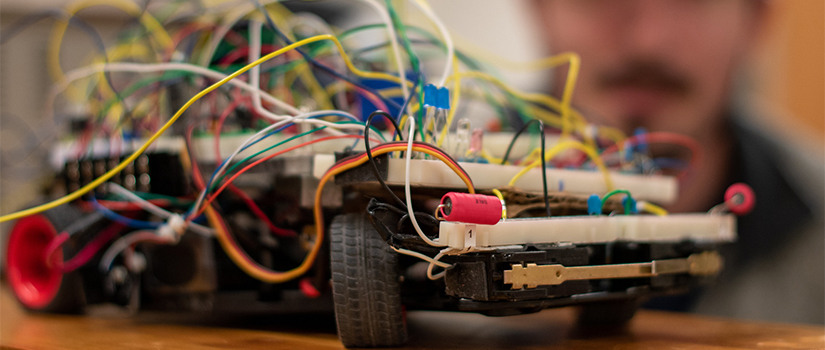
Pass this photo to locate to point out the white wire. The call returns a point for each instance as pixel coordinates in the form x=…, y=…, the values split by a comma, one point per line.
x=445, y=35
x=148, y=206
x=434, y=263
x=421, y=256
x=303, y=118
x=385, y=17
x=163, y=67
x=408, y=156
x=255, y=72
x=124, y=242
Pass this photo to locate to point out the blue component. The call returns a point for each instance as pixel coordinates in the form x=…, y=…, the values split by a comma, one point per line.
x=594, y=205
x=443, y=98
x=430, y=95
x=641, y=146
x=629, y=203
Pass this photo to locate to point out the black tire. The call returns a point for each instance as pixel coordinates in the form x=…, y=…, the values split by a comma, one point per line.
x=37, y=286
x=365, y=285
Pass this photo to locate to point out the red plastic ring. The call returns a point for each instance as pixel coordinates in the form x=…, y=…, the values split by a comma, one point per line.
x=33, y=281
x=740, y=198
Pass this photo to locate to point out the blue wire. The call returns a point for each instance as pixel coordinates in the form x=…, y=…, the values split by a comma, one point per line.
x=273, y=132
x=111, y=215
x=328, y=70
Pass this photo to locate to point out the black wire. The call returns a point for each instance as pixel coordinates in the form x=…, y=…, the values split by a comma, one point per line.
x=543, y=161
x=544, y=170
x=374, y=167
x=513, y=141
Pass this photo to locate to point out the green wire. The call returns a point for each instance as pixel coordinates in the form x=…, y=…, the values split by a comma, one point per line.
x=416, y=65
x=627, y=209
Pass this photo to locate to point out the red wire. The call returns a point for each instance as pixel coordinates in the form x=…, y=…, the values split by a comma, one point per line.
x=182, y=34
x=377, y=102
x=91, y=248
x=260, y=213
x=55, y=244
x=250, y=203
x=219, y=127
x=127, y=206
x=663, y=137
x=259, y=161
x=242, y=52
x=85, y=254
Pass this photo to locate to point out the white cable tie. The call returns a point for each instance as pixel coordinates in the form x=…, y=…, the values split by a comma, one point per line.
x=173, y=229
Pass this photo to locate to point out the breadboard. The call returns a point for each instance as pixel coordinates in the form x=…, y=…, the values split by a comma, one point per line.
x=590, y=229
x=435, y=174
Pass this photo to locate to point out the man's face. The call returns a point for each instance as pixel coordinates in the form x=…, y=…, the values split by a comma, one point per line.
x=665, y=65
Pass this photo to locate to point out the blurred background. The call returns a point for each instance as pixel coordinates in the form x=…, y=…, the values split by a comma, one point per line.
x=786, y=80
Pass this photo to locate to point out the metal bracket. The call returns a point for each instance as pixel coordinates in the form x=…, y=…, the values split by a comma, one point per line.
x=532, y=275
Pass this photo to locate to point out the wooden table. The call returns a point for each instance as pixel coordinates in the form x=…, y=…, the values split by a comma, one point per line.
x=107, y=328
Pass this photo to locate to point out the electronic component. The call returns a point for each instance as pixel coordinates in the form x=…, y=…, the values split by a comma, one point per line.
x=470, y=208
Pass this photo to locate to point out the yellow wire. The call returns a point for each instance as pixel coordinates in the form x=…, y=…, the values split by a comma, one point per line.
x=486, y=155
x=151, y=24
x=546, y=100
x=653, y=208
x=569, y=85
x=100, y=180
x=503, y=204
x=575, y=121
x=553, y=151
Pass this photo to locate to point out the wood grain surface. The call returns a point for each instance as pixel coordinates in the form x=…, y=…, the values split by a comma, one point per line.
x=111, y=328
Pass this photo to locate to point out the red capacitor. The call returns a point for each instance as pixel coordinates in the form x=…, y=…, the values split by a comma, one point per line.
x=470, y=208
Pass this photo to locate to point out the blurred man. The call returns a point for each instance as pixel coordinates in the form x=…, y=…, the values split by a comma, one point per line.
x=670, y=65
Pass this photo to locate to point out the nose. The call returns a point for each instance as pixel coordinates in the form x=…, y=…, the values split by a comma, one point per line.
x=651, y=27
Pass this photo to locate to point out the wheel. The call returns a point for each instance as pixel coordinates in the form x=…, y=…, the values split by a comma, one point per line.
x=365, y=285
x=37, y=285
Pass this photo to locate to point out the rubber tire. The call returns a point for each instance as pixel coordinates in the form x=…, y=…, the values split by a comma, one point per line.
x=70, y=297
x=365, y=285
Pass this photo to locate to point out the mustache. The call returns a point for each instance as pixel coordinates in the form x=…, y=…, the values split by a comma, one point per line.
x=646, y=74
